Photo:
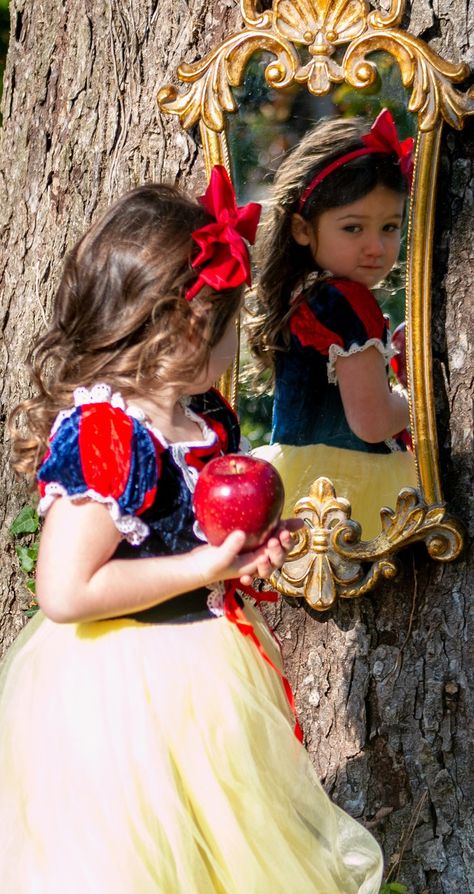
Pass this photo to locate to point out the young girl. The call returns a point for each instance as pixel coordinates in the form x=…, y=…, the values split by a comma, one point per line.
x=331, y=234
x=147, y=737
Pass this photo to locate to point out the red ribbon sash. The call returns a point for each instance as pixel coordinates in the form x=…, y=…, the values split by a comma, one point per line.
x=235, y=615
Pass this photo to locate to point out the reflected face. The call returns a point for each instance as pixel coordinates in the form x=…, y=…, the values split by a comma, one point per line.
x=359, y=241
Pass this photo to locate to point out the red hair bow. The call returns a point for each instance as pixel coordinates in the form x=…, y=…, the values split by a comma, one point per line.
x=383, y=137
x=223, y=261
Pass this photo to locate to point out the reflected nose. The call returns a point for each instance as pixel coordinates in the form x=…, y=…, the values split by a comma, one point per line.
x=374, y=247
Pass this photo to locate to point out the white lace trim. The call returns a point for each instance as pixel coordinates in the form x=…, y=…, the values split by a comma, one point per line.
x=392, y=445
x=198, y=531
x=336, y=351
x=215, y=600
x=179, y=449
x=98, y=394
x=132, y=528
x=209, y=436
x=102, y=393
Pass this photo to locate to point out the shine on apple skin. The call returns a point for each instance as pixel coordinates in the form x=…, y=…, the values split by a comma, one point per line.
x=238, y=492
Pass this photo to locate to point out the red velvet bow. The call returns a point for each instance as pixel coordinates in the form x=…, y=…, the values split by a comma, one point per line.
x=223, y=261
x=383, y=137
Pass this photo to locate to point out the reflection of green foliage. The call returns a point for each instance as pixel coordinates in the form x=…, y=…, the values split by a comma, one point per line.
x=387, y=92
x=255, y=413
x=254, y=89
x=266, y=126
x=269, y=122
x=254, y=409
x=391, y=295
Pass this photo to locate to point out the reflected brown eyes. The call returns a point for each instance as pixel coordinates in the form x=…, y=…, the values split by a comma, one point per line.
x=356, y=228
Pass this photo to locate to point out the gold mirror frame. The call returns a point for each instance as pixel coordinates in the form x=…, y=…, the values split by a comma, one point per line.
x=330, y=560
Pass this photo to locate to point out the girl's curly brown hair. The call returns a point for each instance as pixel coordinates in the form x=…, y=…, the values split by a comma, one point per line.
x=121, y=315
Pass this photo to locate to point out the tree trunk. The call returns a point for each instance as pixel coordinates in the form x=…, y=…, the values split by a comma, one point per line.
x=382, y=683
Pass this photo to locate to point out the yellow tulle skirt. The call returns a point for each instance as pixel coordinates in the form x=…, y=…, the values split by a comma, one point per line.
x=161, y=759
x=369, y=481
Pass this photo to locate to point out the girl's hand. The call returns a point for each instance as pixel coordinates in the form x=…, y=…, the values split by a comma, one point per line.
x=227, y=561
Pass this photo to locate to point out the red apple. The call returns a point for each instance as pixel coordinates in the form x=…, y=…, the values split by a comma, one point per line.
x=238, y=492
x=399, y=361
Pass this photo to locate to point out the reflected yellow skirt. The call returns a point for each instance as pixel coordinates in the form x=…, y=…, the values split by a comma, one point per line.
x=160, y=759
x=368, y=480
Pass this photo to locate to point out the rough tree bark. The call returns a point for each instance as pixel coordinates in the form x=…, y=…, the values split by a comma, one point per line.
x=382, y=684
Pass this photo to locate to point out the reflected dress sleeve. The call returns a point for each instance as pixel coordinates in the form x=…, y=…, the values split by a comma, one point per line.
x=340, y=318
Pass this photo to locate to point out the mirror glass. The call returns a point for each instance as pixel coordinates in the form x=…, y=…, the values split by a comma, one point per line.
x=268, y=124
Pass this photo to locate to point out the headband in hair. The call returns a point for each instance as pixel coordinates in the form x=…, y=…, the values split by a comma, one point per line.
x=382, y=139
x=223, y=261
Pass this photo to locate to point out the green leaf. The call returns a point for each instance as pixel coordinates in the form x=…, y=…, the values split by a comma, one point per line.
x=27, y=557
x=33, y=550
x=30, y=612
x=31, y=584
x=26, y=522
x=393, y=888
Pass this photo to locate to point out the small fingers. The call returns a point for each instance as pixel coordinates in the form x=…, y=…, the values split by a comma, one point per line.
x=293, y=524
x=232, y=545
x=277, y=549
x=265, y=567
x=276, y=554
x=288, y=528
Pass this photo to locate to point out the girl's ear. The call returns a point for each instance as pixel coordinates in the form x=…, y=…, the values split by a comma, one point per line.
x=301, y=230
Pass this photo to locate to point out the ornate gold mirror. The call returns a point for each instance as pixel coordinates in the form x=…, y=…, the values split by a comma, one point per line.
x=314, y=56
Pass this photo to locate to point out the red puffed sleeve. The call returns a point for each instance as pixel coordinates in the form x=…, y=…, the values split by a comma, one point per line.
x=99, y=452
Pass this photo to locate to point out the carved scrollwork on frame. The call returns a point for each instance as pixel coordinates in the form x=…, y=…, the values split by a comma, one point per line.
x=322, y=27
x=318, y=44
x=329, y=559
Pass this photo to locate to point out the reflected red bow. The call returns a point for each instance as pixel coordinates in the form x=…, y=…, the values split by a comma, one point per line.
x=383, y=137
x=223, y=261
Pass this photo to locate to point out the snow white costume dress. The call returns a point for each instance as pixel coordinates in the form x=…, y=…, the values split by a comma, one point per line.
x=310, y=436
x=155, y=753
